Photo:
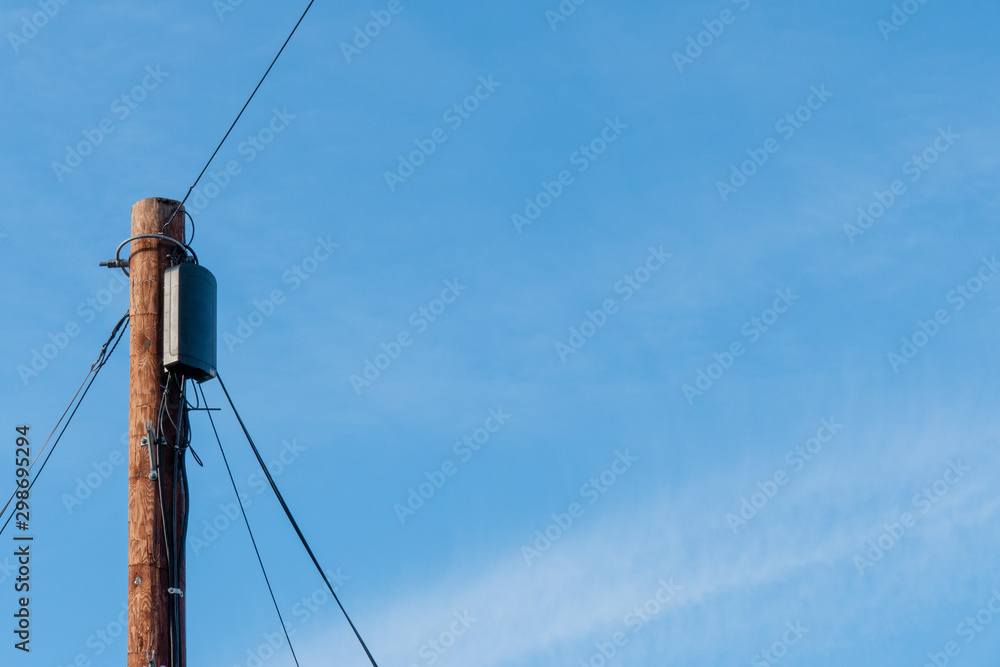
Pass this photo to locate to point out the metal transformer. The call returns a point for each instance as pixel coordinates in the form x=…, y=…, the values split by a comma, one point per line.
x=189, y=321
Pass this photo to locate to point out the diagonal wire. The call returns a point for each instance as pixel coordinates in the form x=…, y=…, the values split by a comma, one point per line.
x=295, y=525
x=95, y=368
x=240, y=114
x=249, y=529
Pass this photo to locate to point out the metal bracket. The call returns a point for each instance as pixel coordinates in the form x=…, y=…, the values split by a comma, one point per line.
x=175, y=591
x=116, y=263
x=146, y=442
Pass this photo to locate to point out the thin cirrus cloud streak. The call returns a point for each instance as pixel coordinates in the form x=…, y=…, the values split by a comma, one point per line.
x=735, y=591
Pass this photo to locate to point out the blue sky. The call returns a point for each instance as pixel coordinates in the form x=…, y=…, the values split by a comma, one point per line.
x=773, y=441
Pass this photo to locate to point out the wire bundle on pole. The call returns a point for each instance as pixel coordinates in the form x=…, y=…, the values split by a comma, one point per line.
x=175, y=527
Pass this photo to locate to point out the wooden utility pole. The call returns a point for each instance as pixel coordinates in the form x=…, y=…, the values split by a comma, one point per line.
x=148, y=577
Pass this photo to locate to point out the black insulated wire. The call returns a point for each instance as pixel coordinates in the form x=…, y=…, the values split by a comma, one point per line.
x=175, y=527
x=240, y=114
x=295, y=525
x=246, y=520
x=92, y=374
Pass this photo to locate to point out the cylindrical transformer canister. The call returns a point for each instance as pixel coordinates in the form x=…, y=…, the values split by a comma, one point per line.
x=189, y=321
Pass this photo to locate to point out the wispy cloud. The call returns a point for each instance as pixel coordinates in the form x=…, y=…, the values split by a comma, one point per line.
x=794, y=562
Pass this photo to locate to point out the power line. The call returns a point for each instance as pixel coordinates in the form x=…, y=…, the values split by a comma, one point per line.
x=240, y=114
x=295, y=525
x=95, y=368
x=249, y=529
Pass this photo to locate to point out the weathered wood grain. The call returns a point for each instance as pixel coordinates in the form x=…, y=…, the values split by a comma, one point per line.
x=148, y=600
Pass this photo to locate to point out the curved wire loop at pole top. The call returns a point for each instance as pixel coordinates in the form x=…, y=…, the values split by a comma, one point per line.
x=187, y=248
